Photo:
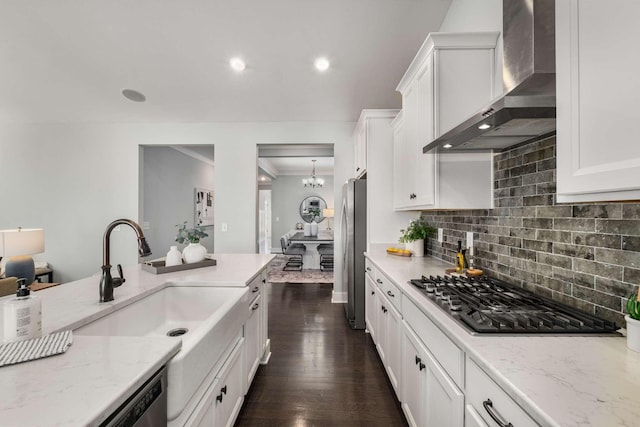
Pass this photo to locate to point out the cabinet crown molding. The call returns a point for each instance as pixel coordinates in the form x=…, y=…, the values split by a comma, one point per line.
x=473, y=40
x=375, y=114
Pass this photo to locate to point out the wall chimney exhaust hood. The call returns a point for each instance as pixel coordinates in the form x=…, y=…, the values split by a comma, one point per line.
x=527, y=110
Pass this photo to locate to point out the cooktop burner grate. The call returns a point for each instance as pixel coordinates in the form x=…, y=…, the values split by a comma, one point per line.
x=487, y=305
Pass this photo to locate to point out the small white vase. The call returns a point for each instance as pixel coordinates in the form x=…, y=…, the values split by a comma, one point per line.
x=194, y=252
x=174, y=257
x=307, y=229
x=633, y=333
x=416, y=247
x=314, y=228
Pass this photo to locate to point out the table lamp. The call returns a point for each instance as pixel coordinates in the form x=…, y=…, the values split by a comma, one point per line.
x=18, y=245
x=328, y=213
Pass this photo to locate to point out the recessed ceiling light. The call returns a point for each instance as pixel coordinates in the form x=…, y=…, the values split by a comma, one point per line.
x=322, y=64
x=484, y=126
x=447, y=146
x=262, y=178
x=237, y=64
x=133, y=95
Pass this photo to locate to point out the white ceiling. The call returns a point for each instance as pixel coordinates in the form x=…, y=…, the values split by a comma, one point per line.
x=296, y=165
x=68, y=60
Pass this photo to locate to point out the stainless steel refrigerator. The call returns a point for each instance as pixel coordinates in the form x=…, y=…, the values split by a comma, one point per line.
x=354, y=243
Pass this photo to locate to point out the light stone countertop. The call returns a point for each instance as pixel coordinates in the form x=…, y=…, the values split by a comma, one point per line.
x=558, y=380
x=95, y=376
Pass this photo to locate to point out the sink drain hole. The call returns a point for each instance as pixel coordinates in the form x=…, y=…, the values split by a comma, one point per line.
x=177, y=332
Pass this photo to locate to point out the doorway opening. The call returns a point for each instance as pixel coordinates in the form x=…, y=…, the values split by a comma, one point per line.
x=295, y=189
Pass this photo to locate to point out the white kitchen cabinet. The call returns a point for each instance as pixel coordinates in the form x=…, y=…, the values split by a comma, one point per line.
x=252, y=341
x=598, y=93
x=263, y=313
x=223, y=399
x=392, y=324
x=399, y=173
x=451, y=78
x=370, y=314
x=383, y=221
x=486, y=400
x=430, y=397
x=360, y=150
x=472, y=418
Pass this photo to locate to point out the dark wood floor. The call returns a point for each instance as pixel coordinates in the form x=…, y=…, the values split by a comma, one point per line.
x=321, y=372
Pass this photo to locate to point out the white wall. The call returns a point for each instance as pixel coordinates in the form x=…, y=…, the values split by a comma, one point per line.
x=287, y=192
x=169, y=180
x=73, y=179
x=477, y=15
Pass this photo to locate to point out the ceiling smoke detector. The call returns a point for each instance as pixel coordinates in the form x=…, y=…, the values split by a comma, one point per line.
x=133, y=95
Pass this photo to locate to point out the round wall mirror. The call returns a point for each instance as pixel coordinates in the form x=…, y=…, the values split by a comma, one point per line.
x=311, y=208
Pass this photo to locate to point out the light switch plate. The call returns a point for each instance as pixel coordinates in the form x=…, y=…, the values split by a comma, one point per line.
x=440, y=235
x=224, y=227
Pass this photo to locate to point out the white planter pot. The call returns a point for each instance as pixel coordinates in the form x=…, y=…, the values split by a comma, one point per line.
x=416, y=247
x=633, y=333
x=194, y=252
x=174, y=257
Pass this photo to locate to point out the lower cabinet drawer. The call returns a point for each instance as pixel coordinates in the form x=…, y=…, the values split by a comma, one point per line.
x=390, y=291
x=490, y=402
x=449, y=355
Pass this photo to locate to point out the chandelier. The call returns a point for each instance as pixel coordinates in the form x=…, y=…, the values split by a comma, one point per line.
x=313, y=182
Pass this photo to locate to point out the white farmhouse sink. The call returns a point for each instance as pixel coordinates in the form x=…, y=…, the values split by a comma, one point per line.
x=211, y=315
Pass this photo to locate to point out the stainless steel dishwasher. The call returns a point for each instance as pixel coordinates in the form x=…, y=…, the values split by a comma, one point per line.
x=146, y=408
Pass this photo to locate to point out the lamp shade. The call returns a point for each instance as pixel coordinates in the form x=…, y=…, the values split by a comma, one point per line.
x=328, y=213
x=21, y=241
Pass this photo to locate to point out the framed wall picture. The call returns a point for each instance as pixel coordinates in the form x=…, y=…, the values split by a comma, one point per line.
x=203, y=211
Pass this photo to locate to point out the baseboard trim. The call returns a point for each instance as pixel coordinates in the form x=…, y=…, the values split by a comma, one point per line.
x=339, y=297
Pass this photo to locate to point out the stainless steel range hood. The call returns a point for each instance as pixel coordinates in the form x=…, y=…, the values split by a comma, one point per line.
x=527, y=110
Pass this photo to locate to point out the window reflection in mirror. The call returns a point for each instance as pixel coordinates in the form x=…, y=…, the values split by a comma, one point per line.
x=311, y=209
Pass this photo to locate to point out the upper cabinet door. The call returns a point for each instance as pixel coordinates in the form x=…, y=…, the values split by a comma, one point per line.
x=598, y=93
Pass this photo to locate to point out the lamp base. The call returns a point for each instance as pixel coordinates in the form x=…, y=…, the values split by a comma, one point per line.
x=22, y=267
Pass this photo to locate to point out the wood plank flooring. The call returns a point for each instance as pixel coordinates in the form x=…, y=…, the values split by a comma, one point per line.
x=321, y=372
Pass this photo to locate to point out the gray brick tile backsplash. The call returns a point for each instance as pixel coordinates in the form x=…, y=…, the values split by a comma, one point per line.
x=577, y=224
x=631, y=211
x=618, y=226
x=597, y=211
x=600, y=240
x=584, y=255
x=631, y=243
x=554, y=236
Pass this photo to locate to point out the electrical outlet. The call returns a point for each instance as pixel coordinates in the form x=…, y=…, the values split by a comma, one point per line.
x=224, y=227
x=469, y=239
x=440, y=235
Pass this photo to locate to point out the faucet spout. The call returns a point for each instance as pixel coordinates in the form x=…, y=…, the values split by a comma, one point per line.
x=107, y=282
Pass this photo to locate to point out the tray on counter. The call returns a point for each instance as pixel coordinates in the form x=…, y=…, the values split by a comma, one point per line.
x=159, y=267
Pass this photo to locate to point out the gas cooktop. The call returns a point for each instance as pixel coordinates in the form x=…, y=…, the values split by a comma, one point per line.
x=487, y=305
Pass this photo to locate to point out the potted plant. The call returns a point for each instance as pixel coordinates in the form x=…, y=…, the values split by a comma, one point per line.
x=633, y=322
x=415, y=235
x=195, y=251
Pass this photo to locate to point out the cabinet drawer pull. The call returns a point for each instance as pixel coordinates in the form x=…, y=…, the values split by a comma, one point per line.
x=357, y=169
x=368, y=268
x=379, y=281
x=391, y=294
x=224, y=389
x=488, y=406
x=256, y=289
x=418, y=360
x=255, y=306
x=373, y=293
x=421, y=366
x=264, y=280
x=219, y=398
